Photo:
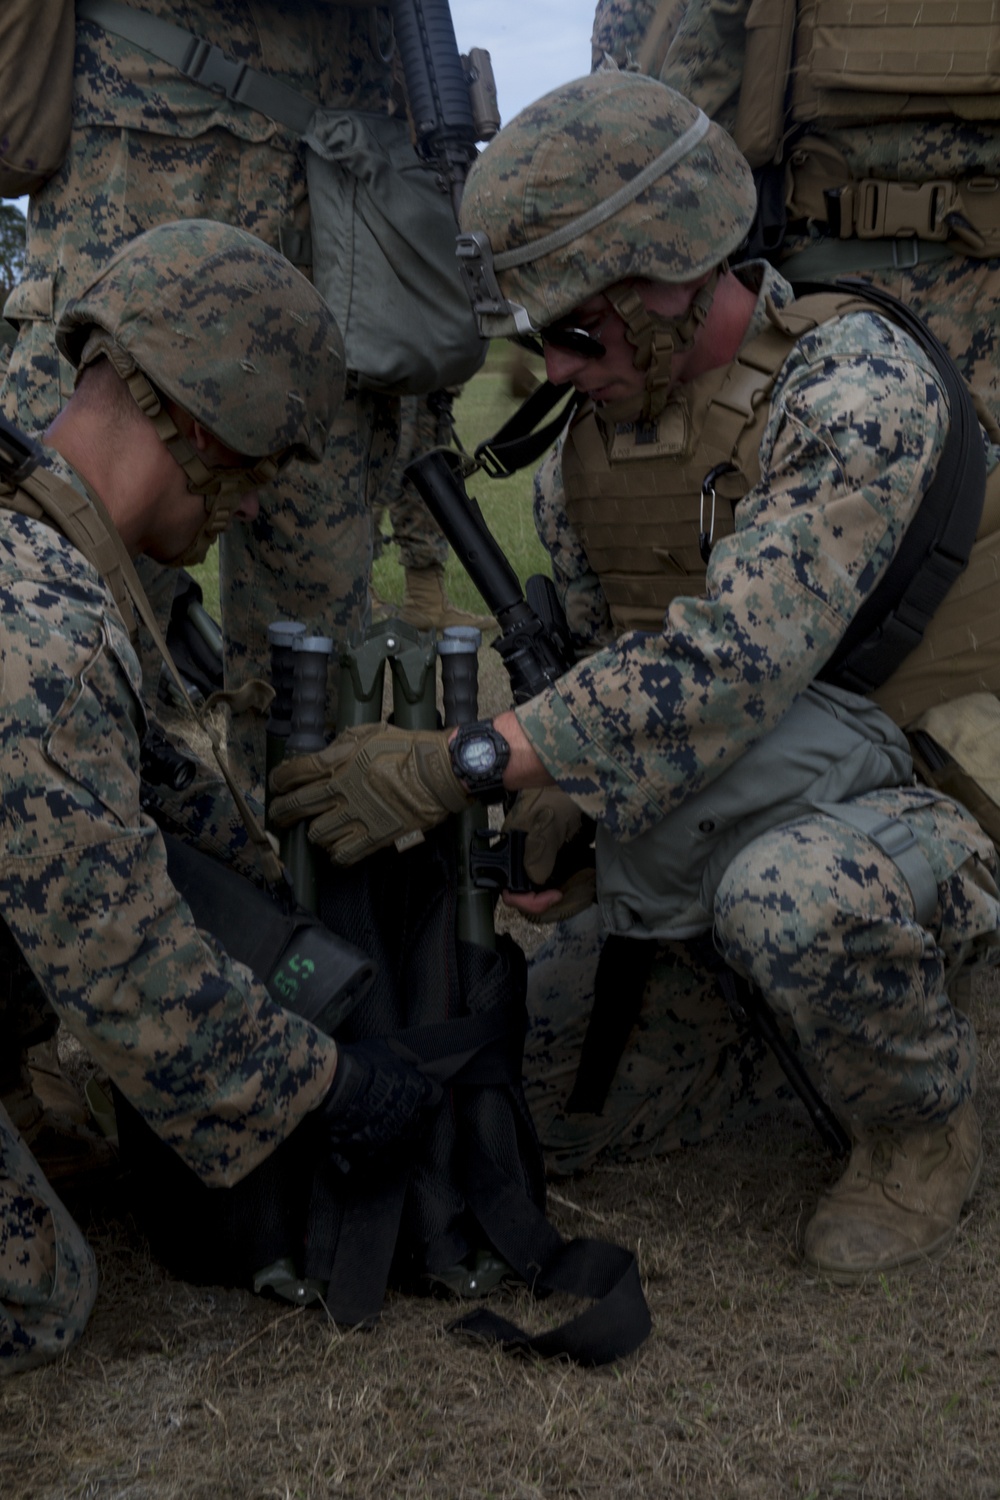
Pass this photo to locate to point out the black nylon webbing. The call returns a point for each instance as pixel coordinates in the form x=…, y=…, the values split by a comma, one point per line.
x=935, y=549
x=622, y=971
x=618, y=1319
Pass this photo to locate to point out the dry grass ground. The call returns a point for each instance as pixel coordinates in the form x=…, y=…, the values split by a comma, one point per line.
x=759, y=1382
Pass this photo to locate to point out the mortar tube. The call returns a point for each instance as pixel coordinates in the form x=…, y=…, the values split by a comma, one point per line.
x=458, y=650
x=311, y=659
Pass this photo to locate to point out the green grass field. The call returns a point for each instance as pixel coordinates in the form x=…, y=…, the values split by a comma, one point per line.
x=483, y=406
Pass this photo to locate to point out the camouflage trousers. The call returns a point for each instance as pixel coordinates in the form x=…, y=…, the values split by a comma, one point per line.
x=414, y=530
x=48, y=1277
x=822, y=922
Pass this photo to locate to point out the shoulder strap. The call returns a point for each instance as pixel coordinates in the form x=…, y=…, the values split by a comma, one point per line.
x=935, y=550
x=201, y=62
x=517, y=443
x=85, y=523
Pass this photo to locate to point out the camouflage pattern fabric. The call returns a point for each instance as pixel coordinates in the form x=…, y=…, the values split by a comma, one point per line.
x=957, y=295
x=413, y=529
x=812, y=912
x=844, y=966
x=48, y=1278
x=619, y=29
x=149, y=146
x=218, y=1070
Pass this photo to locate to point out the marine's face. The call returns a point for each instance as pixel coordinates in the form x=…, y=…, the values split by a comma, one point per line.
x=179, y=523
x=612, y=376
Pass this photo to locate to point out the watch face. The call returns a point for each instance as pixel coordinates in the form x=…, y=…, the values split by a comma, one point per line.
x=478, y=756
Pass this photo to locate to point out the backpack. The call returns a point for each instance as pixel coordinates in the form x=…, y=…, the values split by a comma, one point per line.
x=465, y=1207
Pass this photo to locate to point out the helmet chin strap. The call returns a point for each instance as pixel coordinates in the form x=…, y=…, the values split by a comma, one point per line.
x=221, y=489
x=656, y=339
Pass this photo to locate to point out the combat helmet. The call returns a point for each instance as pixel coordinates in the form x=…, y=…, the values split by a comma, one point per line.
x=213, y=318
x=604, y=180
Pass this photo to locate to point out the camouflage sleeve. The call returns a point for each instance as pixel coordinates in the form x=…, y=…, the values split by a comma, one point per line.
x=219, y=1071
x=577, y=585
x=856, y=427
x=705, y=58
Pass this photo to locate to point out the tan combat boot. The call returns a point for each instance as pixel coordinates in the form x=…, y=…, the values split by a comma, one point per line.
x=899, y=1200
x=54, y=1120
x=426, y=606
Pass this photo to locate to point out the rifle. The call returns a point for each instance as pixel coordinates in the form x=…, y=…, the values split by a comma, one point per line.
x=533, y=643
x=452, y=97
x=536, y=651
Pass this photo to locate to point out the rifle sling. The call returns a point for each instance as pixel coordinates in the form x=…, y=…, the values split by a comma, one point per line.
x=202, y=63
x=516, y=444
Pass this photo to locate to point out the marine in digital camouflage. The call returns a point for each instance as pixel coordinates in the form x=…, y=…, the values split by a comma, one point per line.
x=856, y=412
x=813, y=911
x=955, y=290
x=218, y=1070
x=150, y=146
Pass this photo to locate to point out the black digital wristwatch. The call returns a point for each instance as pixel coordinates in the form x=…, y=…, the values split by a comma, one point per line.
x=479, y=755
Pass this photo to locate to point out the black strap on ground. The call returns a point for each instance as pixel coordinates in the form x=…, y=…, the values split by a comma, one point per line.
x=517, y=444
x=935, y=549
x=619, y=984
x=618, y=1319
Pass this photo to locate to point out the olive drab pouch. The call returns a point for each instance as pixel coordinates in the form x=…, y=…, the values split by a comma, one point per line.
x=860, y=63
x=383, y=244
x=37, y=39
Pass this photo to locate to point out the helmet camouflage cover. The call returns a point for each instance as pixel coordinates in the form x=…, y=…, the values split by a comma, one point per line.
x=227, y=328
x=612, y=176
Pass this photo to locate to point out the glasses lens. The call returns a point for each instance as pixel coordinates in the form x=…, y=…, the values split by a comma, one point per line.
x=573, y=341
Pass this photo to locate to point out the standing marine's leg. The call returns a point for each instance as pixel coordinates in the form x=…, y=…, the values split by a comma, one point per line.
x=426, y=422
x=823, y=922
x=307, y=557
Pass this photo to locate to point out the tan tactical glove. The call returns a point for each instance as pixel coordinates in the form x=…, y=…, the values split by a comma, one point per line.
x=374, y=785
x=551, y=821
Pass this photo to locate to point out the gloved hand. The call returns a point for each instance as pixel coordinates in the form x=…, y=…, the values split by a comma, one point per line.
x=372, y=786
x=375, y=1100
x=557, y=849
